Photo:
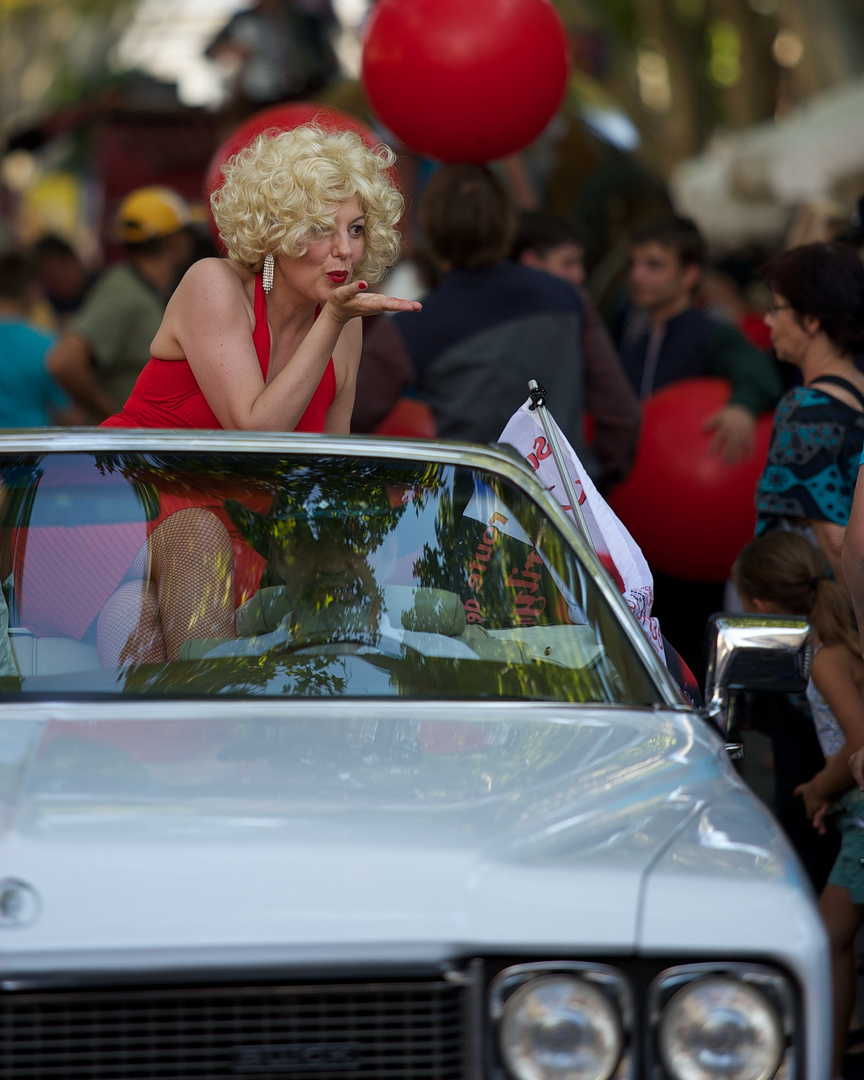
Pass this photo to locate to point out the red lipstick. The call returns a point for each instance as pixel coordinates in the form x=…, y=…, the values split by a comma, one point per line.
x=338, y=277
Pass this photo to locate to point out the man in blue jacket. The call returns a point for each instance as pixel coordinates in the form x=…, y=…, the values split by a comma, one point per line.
x=489, y=325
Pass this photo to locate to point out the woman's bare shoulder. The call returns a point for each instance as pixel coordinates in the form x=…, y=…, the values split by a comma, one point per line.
x=212, y=293
x=219, y=273
x=213, y=288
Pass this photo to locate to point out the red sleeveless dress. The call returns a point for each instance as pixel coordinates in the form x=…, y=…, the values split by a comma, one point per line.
x=69, y=572
x=167, y=395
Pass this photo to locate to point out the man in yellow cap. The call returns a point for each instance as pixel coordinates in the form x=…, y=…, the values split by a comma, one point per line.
x=103, y=349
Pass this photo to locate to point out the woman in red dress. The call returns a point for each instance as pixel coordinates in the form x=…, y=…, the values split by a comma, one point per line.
x=267, y=339
x=251, y=342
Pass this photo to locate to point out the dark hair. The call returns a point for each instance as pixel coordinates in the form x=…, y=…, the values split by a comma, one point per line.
x=671, y=231
x=826, y=282
x=17, y=275
x=786, y=570
x=467, y=216
x=541, y=232
x=51, y=245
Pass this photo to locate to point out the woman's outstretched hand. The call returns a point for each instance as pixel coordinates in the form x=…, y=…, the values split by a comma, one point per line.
x=350, y=301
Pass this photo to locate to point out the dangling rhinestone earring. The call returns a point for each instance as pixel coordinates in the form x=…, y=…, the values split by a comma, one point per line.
x=267, y=272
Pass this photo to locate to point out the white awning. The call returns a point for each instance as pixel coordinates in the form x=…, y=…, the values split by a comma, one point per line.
x=746, y=184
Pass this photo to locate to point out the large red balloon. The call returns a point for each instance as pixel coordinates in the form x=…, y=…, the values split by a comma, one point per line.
x=278, y=118
x=689, y=513
x=465, y=80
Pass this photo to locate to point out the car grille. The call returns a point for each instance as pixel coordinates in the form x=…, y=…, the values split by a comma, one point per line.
x=384, y=1030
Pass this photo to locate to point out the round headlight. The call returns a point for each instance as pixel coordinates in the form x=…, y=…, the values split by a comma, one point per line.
x=720, y=1027
x=558, y=1027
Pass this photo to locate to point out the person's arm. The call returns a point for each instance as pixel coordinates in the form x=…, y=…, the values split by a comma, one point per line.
x=209, y=320
x=834, y=678
x=856, y=767
x=830, y=537
x=852, y=558
x=61, y=410
x=756, y=388
x=609, y=399
x=70, y=364
x=69, y=415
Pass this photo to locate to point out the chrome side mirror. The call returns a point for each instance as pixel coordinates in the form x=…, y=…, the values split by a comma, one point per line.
x=755, y=652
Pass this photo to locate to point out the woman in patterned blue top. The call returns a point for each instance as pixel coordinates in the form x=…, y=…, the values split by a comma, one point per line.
x=816, y=319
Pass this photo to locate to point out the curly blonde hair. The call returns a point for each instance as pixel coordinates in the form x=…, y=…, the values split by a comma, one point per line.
x=280, y=190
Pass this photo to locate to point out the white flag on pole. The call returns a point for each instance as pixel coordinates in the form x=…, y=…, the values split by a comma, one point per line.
x=615, y=547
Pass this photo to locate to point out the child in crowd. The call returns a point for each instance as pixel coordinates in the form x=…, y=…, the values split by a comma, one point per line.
x=783, y=573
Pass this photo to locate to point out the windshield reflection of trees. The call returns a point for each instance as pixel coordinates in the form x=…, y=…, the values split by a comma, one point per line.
x=502, y=577
x=498, y=562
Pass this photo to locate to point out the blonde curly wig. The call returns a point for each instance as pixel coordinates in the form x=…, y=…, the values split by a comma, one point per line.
x=280, y=190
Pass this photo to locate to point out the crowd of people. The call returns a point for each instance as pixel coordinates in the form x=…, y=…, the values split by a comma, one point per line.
x=292, y=330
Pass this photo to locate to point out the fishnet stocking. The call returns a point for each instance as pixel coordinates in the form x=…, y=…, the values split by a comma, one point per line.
x=129, y=630
x=186, y=590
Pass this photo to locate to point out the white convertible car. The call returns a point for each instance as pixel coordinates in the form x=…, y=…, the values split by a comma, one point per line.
x=345, y=758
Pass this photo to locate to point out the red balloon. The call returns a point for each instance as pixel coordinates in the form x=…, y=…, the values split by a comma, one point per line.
x=689, y=513
x=465, y=81
x=279, y=118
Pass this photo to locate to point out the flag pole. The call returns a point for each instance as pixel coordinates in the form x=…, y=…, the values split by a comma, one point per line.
x=538, y=404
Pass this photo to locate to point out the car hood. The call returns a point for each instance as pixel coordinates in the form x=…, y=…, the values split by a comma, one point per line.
x=312, y=826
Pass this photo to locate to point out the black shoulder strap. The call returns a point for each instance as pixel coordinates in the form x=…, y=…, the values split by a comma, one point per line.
x=838, y=380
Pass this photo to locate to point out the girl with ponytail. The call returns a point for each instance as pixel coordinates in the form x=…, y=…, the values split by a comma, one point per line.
x=783, y=573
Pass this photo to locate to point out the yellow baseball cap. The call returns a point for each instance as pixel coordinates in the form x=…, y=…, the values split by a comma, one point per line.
x=148, y=212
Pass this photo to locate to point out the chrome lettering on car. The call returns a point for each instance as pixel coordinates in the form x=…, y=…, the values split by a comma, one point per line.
x=301, y=1057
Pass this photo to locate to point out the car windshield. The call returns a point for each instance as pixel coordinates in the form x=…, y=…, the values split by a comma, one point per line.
x=306, y=576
